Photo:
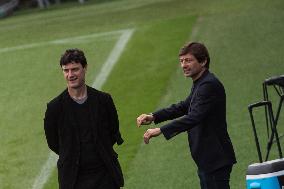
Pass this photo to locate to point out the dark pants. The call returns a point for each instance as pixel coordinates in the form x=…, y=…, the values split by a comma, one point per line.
x=98, y=180
x=218, y=179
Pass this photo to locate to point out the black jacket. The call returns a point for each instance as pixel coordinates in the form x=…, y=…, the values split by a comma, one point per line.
x=203, y=116
x=62, y=134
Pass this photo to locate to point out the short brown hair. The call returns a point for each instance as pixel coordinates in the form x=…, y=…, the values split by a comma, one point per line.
x=198, y=50
x=73, y=55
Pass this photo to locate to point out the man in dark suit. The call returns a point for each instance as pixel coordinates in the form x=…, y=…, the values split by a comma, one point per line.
x=81, y=126
x=203, y=115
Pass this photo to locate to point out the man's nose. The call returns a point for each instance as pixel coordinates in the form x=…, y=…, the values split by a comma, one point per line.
x=70, y=73
x=182, y=64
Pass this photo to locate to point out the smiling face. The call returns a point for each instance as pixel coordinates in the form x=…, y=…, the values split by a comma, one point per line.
x=191, y=67
x=74, y=73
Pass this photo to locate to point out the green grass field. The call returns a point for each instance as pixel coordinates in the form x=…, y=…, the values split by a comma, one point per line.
x=245, y=41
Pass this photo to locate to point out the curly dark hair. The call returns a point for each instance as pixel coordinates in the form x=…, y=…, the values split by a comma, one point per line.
x=73, y=55
x=198, y=50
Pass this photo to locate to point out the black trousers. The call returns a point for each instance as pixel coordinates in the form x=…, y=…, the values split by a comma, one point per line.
x=98, y=180
x=218, y=179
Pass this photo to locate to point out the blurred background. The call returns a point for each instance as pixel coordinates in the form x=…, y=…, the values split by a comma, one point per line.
x=142, y=38
x=7, y=7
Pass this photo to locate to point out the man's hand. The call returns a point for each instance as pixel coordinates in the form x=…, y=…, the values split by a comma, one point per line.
x=145, y=119
x=151, y=133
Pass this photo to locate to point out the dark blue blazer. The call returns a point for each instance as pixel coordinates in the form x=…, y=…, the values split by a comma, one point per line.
x=203, y=115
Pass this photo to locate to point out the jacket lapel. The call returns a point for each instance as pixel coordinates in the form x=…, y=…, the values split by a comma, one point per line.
x=94, y=107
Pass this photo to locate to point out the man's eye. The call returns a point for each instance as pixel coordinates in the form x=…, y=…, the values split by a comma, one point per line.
x=186, y=60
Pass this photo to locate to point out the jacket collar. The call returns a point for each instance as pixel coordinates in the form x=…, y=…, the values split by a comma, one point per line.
x=204, y=74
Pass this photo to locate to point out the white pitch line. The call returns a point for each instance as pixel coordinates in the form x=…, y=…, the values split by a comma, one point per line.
x=61, y=41
x=50, y=164
x=112, y=59
x=46, y=171
x=196, y=28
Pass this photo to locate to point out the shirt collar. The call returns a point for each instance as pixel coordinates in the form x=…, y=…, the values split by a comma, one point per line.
x=206, y=72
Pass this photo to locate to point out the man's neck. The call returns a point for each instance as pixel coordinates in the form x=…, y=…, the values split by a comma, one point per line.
x=198, y=75
x=78, y=93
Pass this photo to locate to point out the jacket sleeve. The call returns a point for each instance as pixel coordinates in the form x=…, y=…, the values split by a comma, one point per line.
x=114, y=122
x=204, y=101
x=51, y=128
x=172, y=112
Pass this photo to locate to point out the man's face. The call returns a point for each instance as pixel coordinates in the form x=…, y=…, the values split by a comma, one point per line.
x=190, y=66
x=74, y=73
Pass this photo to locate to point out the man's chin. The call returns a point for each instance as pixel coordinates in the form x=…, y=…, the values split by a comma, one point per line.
x=187, y=74
x=73, y=86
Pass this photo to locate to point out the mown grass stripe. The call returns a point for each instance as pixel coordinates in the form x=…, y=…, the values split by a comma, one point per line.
x=158, y=146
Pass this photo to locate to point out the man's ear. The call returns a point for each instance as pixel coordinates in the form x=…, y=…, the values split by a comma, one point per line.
x=204, y=63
